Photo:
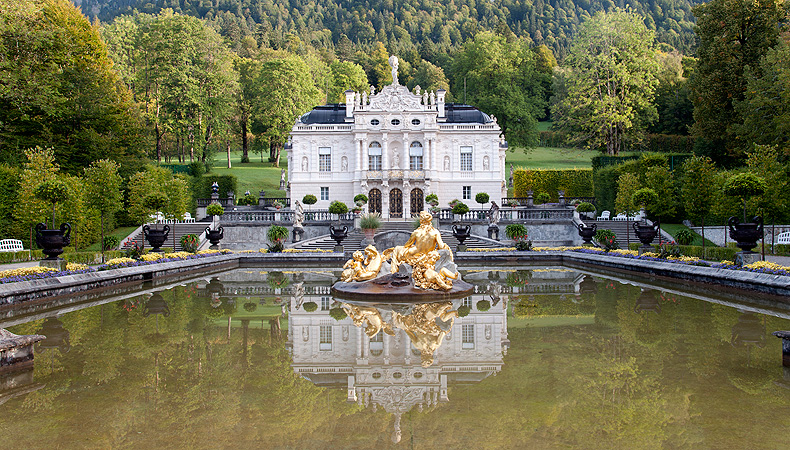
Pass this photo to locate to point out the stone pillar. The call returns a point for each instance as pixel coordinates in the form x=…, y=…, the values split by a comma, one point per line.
x=530, y=201
x=440, y=102
x=561, y=196
x=350, y=95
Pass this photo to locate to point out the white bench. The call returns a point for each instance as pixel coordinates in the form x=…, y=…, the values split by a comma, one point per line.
x=604, y=215
x=783, y=238
x=11, y=245
x=620, y=216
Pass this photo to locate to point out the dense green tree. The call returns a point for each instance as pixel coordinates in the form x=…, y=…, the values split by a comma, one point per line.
x=697, y=188
x=290, y=92
x=675, y=110
x=766, y=106
x=431, y=78
x=611, y=83
x=58, y=88
x=501, y=79
x=345, y=75
x=733, y=34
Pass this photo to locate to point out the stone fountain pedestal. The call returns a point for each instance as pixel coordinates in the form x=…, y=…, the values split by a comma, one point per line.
x=16, y=352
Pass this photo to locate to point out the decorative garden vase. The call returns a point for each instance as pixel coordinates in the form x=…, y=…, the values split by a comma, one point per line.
x=338, y=234
x=645, y=233
x=214, y=236
x=53, y=241
x=462, y=233
x=746, y=234
x=156, y=238
x=587, y=232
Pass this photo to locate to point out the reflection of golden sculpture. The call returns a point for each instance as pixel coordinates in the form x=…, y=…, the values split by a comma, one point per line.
x=422, y=328
x=425, y=274
x=424, y=239
x=362, y=314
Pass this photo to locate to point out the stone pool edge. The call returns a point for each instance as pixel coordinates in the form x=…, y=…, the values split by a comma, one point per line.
x=23, y=291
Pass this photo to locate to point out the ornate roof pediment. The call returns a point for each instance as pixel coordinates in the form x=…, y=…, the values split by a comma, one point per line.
x=395, y=97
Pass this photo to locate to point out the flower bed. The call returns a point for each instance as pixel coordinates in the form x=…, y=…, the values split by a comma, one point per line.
x=37, y=272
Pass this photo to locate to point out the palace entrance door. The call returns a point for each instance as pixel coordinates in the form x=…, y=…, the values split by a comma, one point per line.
x=417, y=202
x=374, y=201
x=396, y=204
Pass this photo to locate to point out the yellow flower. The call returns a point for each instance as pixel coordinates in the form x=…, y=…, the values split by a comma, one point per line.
x=119, y=261
x=150, y=257
x=23, y=271
x=76, y=266
x=767, y=265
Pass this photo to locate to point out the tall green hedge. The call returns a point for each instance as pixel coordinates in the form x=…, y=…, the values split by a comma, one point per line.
x=9, y=189
x=226, y=183
x=575, y=182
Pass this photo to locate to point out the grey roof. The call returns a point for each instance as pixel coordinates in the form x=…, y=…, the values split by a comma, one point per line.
x=336, y=113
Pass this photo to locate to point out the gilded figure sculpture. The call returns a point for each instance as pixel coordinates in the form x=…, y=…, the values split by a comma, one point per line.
x=426, y=326
x=425, y=252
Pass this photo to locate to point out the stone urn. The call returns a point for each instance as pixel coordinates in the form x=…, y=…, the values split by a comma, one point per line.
x=53, y=241
x=746, y=234
x=338, y=234
x=645, y=233
x=156, y=238
x=462, y=233
x=156, y=305
x=214, y=236
x=587, y=232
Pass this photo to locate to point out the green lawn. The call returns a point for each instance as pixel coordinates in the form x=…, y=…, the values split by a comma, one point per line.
x=549, y=158
x=120, y=233
x=254, y=176
x=673, y=228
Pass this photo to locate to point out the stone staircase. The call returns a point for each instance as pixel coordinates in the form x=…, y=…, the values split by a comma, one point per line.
x=354, y=240
x=178, y=230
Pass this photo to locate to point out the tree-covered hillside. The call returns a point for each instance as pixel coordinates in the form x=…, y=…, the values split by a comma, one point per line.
x=430, y=27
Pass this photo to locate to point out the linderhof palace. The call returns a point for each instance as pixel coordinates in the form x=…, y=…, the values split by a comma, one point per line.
x=396, y=147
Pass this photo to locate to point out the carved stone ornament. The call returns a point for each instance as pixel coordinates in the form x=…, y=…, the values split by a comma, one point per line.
x=395, y=98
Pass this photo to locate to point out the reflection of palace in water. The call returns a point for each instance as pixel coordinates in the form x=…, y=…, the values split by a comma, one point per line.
x=386, y=370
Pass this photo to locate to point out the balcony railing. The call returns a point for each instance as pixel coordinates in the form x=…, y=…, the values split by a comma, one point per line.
x=285, y=216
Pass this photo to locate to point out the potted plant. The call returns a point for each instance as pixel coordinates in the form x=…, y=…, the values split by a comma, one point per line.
x=52, y=240
x=277, y=205
x=156, y=202
x=276, y=235
x=308, y=200
x=482, y=198
x=744, y=186
x=189, y=243
x=646, y=233
x=369, y=223
x=542, y=198
x=432, y=199
x=584, y=208
x=518, y=233
x=459, y=209
x=338, y=208
x=357, y=209
x=607, y=239
x=215, y=235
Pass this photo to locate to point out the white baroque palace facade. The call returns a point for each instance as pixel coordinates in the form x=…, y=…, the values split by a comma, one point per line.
x=396, y=147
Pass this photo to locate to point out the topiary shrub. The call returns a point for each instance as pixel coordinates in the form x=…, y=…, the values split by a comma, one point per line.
x=250, y=307
x=464, y=311
x=460, y=208
x=585, y=207
x=483, y=305
x=310, y=306
x=360, y=198
x=338, y=207
x=309, y=199
x=744, y=186
x=338, y=313
x=542, y=198
x=215, y=209
x=645, y=198
x=432, y=199
x=482, y=198
x=247, y=200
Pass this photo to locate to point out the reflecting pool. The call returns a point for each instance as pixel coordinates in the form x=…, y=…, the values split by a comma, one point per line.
x=545, y=357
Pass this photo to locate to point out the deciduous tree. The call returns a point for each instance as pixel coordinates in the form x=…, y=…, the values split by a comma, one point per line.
x=611, y=83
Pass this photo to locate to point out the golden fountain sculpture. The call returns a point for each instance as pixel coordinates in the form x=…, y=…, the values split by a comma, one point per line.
x=430, y=260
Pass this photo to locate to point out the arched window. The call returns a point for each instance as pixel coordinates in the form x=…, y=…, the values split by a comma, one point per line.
x=415, y=156
x=374, y=156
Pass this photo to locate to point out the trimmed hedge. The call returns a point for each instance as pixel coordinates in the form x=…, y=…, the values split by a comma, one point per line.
x=675, y=160
x=711, y=253
x=226, y=184
x=575, y=182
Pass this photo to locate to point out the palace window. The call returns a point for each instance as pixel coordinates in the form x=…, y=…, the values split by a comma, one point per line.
x=325, y=193
x=415, y=156
x=468, y=337
x=325, y=334
x=415, y=121
x=374, y=122
x=374, y=156
x=466, y=159
x=467, y=193
x=324, y=159
x=395, y=122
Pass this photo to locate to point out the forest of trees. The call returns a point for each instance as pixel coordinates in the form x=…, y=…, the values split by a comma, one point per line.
x=432, y=28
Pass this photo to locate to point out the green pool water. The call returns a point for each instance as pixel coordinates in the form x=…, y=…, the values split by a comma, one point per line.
x=545, y=357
